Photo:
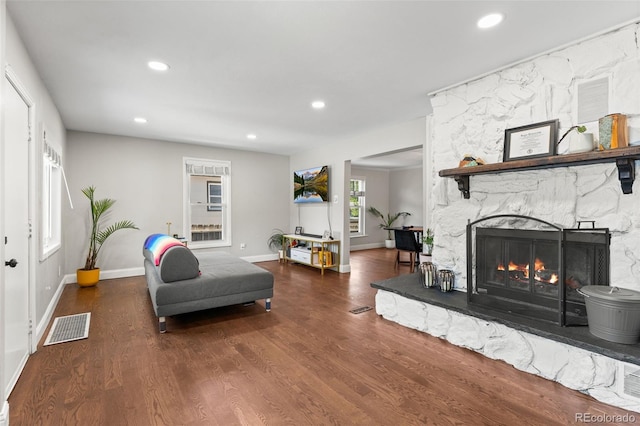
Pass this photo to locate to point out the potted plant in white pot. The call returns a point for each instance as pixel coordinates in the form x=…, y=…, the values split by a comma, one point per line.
x=581, y=141
x=386, y=222
x=90, y=274
x=427, y=239
x=276, y=242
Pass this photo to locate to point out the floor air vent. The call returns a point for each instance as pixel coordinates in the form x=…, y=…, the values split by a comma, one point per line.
x=69, y=328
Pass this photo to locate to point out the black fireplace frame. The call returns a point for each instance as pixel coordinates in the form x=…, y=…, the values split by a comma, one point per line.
x=564, y=237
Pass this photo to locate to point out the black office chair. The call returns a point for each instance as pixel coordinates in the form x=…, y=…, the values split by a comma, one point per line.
x=406, y=242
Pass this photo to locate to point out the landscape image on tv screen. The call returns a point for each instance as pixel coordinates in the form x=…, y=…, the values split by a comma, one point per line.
x=311, y=185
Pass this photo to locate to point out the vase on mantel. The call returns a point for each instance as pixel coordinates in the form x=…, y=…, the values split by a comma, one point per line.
x=581, y=142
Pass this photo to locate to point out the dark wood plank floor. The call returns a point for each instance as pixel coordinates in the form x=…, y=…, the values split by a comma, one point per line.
x=307, y=362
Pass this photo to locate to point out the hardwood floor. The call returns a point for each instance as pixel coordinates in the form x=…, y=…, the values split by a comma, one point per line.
x=307, y=362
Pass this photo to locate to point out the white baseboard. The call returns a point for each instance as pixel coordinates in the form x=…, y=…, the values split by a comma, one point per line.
x=108, y=275
x=122, y=273
x=261, y=258
x=366, y=246
x=48, y=314
x=4, y=414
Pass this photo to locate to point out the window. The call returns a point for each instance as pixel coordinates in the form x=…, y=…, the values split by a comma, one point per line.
x=356, y=206
x=207, y=202
x=214, y=190
x=51, y=199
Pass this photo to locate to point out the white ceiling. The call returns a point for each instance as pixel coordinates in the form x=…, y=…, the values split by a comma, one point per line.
x=240, y=67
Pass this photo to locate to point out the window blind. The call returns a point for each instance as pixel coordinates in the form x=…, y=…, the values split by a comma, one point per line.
x=52, y=155
x=207, y=169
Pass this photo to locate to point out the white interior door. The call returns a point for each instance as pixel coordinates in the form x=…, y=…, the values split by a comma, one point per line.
x=16, y=210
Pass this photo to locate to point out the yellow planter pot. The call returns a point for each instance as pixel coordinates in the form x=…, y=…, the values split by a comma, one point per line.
x=88, y=278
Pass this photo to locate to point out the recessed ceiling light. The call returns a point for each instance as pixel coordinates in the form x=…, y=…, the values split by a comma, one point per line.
x=158, y=66
x=140, y=120
x=490, y=20
x=317, y=104
x=251, y=136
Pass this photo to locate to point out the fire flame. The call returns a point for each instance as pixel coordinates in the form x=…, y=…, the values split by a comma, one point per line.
x=538, y=265
x=513, y=267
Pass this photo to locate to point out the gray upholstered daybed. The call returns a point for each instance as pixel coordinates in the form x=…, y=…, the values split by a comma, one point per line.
x=180, y=281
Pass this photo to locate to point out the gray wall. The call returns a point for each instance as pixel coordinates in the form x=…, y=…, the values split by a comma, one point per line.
x=406, y=194
x=146, y=177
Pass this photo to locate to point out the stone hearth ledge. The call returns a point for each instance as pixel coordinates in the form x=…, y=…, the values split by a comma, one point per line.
x=570, y=356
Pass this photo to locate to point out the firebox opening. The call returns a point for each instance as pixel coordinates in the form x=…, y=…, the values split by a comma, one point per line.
x=536, y=273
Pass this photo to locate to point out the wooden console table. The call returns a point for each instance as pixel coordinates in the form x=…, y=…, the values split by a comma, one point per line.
x=623, y=157
x=314, y=254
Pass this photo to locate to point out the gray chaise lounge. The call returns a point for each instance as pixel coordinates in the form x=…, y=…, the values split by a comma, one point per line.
x=183, y=282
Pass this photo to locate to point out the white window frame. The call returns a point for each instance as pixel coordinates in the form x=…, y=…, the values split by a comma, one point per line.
x=362, y=206
x=225, y=205
x=51, y=212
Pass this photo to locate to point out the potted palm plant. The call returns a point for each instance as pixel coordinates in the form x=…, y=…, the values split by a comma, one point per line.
x=386, y=222
x=90, y=274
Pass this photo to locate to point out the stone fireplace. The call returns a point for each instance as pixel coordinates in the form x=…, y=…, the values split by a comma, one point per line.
x=521, y=264
x=470, y=119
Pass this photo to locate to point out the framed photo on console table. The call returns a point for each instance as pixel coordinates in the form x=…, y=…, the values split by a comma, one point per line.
x=533, y=140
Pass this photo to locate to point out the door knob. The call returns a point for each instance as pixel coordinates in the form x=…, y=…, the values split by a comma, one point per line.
x=11, y=263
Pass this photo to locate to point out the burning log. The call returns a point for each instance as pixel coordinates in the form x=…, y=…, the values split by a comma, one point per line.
x=520, y=272
x=547, y=277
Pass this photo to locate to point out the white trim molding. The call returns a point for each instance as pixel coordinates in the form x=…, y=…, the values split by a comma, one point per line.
x=4, y=414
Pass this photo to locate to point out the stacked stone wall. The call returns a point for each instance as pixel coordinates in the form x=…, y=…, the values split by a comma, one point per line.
x=472, y=118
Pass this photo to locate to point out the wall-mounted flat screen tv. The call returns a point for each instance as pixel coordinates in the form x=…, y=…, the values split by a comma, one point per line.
x=311, y=185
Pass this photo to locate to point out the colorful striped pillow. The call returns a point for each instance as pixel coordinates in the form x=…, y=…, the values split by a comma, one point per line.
x=158, y=244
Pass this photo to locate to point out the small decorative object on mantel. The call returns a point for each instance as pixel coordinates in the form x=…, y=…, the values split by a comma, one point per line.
x=533, y=140
x=446, y=278
x=580, y=141
x=428, y=274
x=613, y=131
x=469, y=161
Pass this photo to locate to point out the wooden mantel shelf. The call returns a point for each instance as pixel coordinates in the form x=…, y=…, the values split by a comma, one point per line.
x=623, y=157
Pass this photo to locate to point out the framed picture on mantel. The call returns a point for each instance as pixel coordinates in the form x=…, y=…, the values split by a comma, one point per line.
x=533, y=140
